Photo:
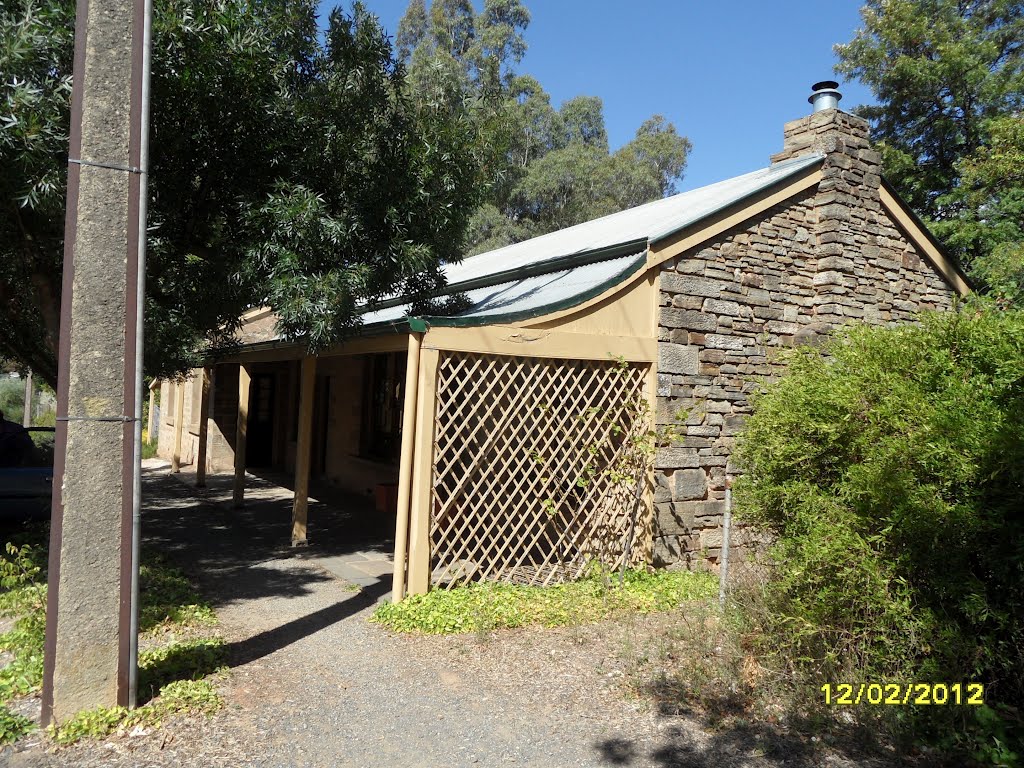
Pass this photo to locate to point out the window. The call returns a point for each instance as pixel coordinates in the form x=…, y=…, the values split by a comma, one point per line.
x=383, y=401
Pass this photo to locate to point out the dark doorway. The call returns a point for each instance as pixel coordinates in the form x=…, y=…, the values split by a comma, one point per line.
x=260, y=438
x=321, y=414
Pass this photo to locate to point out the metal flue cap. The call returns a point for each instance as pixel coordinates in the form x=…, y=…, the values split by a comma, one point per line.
x=825, y=95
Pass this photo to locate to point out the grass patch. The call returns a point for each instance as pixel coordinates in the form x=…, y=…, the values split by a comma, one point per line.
x=485, y=606
x=189, y=660
x=149, y=449
x=191, y=696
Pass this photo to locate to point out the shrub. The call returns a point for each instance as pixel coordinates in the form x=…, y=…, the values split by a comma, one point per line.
x=890, y=473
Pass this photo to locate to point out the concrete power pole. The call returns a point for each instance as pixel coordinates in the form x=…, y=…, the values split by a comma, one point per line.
x=26, y=420
x=91, y=617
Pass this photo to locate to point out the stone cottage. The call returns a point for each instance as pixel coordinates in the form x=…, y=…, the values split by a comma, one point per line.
x=478, y=426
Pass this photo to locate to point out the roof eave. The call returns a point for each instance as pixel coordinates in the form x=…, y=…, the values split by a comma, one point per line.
x=934, y=241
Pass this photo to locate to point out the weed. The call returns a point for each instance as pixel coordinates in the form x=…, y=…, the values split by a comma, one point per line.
x=13, y=726
x=168, y=598
x=25, y=598
x=197, y=696
x=188, y=660
x=170, y=676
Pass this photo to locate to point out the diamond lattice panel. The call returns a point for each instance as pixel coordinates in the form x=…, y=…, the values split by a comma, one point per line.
x=515, y=440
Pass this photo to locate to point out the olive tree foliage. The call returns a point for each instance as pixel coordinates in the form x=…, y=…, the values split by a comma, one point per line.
x=946, y=74
x=286, y=168
x=547, y=168
x=377, y=200
x=226, y=81
x=35, y=88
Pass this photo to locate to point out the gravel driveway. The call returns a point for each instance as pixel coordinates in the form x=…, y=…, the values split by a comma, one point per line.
x=312, y=683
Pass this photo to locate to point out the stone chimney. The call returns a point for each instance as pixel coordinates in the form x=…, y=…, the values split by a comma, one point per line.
x=847, y=200
x=827, y=130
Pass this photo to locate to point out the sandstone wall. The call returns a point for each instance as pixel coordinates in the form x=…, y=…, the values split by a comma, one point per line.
x=828, y=257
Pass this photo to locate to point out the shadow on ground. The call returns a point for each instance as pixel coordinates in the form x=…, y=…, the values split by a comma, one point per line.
x=729, y=747
x=265, y=643
x=232, y=554
x=215, y=542
x=730, y=741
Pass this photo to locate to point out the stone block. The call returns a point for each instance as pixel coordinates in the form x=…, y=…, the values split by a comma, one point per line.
x=717, y=307
x=755, y=281
x=682, y=301
x=677, y=358
x=676, y=458
x=734, y=424
x=701, y=510
x=666, y=551
x=664, y=385
x=688, y=319
x=711, y=538
x=690, y=484
x=828, y=278
x=702, y=286
x=693, y=285
x=836, y=264
x=712, y=356
x=673, y=520
x=718, y=341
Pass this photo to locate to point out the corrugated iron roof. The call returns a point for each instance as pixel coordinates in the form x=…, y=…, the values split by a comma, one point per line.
x=564, y=268
x=652, y=221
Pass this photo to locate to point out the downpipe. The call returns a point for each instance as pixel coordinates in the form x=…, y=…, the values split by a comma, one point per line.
x=133, y=639
x=723, y=571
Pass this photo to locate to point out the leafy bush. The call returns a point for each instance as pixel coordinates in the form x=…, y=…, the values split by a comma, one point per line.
x=178, y=669
x=890, y=473
x=180, y=660
x=487, y=605
x=12, y=398
x=23, y=596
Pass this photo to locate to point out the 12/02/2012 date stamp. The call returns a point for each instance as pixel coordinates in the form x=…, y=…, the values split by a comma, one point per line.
x=901, y=694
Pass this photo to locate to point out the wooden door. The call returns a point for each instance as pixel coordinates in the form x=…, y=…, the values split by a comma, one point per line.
x=260, y=441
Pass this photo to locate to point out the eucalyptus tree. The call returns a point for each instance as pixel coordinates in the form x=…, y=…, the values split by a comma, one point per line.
x=546, y=168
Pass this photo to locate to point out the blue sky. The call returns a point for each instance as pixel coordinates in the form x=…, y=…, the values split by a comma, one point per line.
x=728, y=74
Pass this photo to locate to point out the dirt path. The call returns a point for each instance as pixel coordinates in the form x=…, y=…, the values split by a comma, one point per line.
x=314, y=684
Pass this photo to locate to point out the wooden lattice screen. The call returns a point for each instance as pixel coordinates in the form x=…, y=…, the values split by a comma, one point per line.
x=513, y=436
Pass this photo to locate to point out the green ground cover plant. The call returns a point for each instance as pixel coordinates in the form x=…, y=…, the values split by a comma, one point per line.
x=185, y=666
x=889, y=473
x=176, y=665
x=23, y=599
x=488, y=606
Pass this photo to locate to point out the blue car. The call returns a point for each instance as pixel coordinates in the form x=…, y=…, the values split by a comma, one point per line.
x=26, y=488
